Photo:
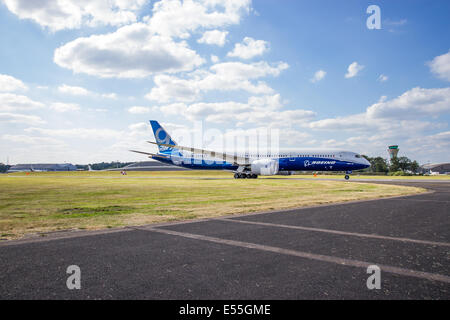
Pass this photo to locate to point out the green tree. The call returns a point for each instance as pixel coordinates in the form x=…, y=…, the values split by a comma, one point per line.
x=414, y=166
x=109, y=165
x=377, y=164
x=394, y=165
x=404, y=163
x=4, y=168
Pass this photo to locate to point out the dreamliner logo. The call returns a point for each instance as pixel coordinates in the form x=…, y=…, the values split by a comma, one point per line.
x=165, y=140
x=311, y=163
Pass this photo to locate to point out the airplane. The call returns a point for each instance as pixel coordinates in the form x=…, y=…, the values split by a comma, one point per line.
x=35, y=170
x=250, y=165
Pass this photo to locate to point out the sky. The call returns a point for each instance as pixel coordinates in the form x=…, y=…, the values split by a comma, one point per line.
x=79, y=80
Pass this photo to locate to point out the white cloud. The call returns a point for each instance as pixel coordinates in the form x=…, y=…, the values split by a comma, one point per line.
x=319, y=75
x=64, y=107
x=32, y=140
x=249, y=48
x=82, y=133
x=139, y=110
x=415, y=103
x=351, y=122
x=132, y=51
x=353, y=70
x=72, y=14
x=400, y=113
x=175, y=18
x=440, y=66
x=80, y=91
x=76, y=91
x=14, y=102
x=383, y=78
x=258, y=110
x=216, y=37
x=141, y=49
x=214, y=59
x=227, y=76
x=432, y=144
x=9, y=83
x=169, y=88
x=109, y=96
x=20, y=118
x=174, y=109
x=141, y=126
x=140, y=129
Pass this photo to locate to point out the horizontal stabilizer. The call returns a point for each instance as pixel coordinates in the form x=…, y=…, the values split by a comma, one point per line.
x=151, y=154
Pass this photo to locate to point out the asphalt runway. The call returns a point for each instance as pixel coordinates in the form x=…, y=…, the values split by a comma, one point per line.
x=311, y=253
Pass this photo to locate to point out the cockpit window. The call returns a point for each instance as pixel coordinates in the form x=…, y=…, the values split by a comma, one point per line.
x=357, y=156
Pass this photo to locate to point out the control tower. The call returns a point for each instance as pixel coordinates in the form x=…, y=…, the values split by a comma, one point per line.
x=393, y=151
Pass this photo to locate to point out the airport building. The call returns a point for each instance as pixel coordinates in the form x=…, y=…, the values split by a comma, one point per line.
x=42, y=167
x=436, y=168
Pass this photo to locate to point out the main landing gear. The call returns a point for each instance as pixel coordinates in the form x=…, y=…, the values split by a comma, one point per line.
x=241, y=175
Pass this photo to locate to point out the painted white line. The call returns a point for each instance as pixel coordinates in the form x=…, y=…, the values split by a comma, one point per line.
x=344, y=233
x=307, y=255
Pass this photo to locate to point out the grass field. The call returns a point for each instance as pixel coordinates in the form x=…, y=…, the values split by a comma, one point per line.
x=42, y=202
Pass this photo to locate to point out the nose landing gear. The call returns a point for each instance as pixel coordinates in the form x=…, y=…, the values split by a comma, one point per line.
x=347, y=175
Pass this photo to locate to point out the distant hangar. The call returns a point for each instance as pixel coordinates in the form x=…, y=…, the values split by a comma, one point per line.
x=42, y=167
x=436, y=168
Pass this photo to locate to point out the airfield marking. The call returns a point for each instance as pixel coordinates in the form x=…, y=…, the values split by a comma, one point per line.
x=307, y=255
x=361, y=235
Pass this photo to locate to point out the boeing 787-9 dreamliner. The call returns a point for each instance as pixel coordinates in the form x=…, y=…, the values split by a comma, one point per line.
x=250, y=165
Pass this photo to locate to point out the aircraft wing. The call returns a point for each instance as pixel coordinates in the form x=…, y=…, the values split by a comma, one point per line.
x=231, y=158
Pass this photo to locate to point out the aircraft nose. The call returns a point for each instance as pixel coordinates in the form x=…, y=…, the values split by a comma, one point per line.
x=366, y=163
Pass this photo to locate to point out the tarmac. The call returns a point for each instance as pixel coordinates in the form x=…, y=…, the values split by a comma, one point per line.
x=320, y=252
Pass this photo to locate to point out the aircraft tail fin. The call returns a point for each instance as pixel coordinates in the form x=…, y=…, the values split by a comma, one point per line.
x=162, y=137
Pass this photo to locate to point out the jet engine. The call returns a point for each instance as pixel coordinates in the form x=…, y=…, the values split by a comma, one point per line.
x=265, y=167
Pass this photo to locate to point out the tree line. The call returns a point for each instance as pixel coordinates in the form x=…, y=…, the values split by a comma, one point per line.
x=104, y=165
x=398, y=165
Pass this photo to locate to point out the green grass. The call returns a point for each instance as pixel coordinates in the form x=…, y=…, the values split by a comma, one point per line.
x=42, y=202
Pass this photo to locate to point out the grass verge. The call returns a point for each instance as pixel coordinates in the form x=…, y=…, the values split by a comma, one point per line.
x=42, y=202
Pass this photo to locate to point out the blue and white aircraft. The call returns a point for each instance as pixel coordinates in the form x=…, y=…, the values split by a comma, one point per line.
x=251, y=165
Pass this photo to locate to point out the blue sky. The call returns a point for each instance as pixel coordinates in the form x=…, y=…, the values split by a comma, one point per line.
x=79, y=80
